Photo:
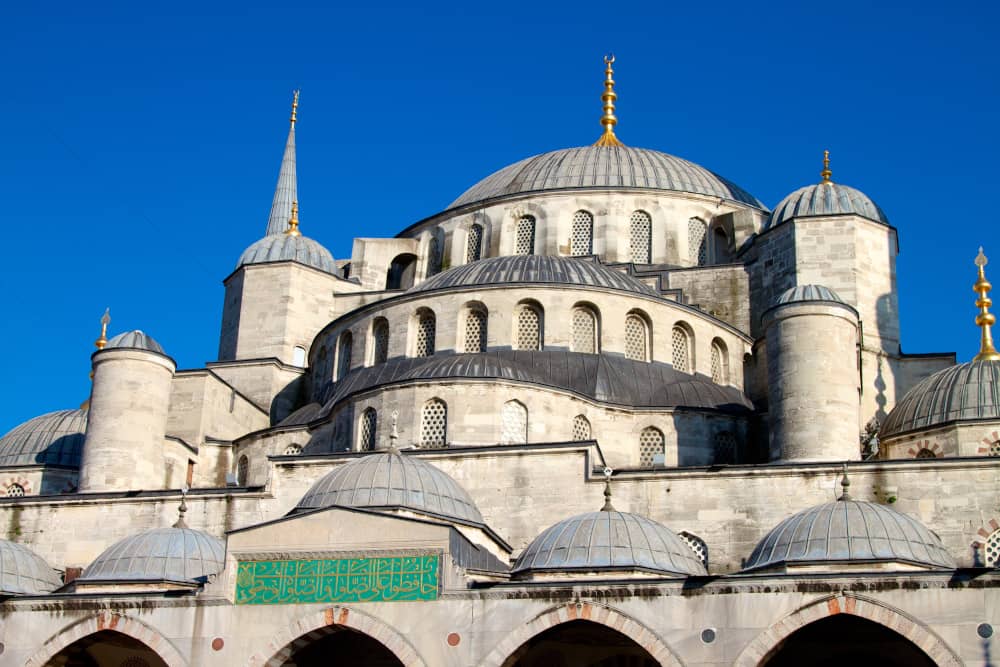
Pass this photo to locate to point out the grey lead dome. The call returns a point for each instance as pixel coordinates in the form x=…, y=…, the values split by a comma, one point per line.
x=135, y=340
x=604, y=167
x=808, y=293
x=23, y=572
x=825, y=199
x=55, y=438
x=286, y=247
x=161, y=554
x=966, y=391
x=390, y=479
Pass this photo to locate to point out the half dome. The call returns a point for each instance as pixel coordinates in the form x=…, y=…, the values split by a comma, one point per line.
x=162, y=554
x=604, y=167
x=289, y=248
x=23, y=572
x=135, y=340
x=390, y=479
x=825, y=199
x=849, y=532
x=808, y=293
x=55, y=438
x=964, y=392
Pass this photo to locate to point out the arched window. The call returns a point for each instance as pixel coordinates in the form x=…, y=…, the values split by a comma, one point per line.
x=475, y=331
x=15, y=491
x=680, y=345
x=528, y=328
x=585, y=330
x=725, y=448
x=380, y=340
x=995, y=448
x=434, y=424
x=992, y=549
x=513, y=423
x=474, y=244
x=434, y=254
x=367, y=429
x=581, y=428
x=696, y=544
x=582, y=235
x=293, y=450
x=720, y=362
x=641, y=235
x=651, y=445
x=344, y=354
x=636, y=338
x=720, y=246
x=299, y=356
x=696, y=241
x=925, y=453
x=401, y=272
x=242, y=471
x=426, y=325
x=524, y=237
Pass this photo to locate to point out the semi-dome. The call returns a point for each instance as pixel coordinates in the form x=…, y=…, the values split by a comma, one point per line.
x=288, y=247
x=177, y=554
x=23, y=572
x=608, y=540
x=846, y=532
x=539, y=269
x=808, y=293
x=135, y=340
x=966, y=391
x=826, y=198
x=390, y=479
x=55, y=438
x=604, y=167
x=477, y=365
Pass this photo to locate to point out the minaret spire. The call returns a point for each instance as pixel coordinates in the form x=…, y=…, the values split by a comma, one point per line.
x=286, y=191
x=608, y=120
x=985, y=319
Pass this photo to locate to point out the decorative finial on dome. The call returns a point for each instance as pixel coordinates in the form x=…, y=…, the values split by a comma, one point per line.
x=826, y=173
x=985, y=319
x=394, y=433
x=105, y=321
x=181, y=510
x=295, y=107
x=293, y=221
x=608, y=507
x=845, y=485
x=608, y=120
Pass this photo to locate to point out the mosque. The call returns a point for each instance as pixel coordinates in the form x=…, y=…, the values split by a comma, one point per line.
x=606, y=409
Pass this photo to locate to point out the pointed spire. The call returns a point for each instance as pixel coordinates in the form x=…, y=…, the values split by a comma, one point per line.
x=608, y=507
x=985, y=319
x=826, y=173
x=105, y=321
x=293, y=222
x=845, y=485
x=286, y=191
x=181, y=510
x=608, y=120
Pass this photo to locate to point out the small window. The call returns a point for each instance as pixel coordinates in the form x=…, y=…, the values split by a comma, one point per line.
x=434, y=255
x=426, y=325
x=524, y=241
x=925, y=453
x=401, y=272
x=995, y=448
x=344, y=354
x=293, y=450
x=434, y=424
x=720, y=362
x=474, y=244
x=582, y=235
x=514, y=423
x=15, y=491
x=725, y=448
x=380, y=340
x=368, y=430
x=651, y=444
x=696, y=241
x=680, y=345
x=696, y=544
x=636, y=338
x=189, y=478
x=299, y=356
x=475, y=331
x=581, y=428
x=584, y=331
x=243, y=471
x=528, y=332
x=992, y=549
x=641, y=237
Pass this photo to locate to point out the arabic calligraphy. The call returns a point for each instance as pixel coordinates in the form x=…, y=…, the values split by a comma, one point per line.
x=399, y=578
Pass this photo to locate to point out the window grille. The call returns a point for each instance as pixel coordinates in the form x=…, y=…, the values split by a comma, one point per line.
x=293, y=450
x=380, y=334
x=475, y=331
x=696, y=544
x=434, y=424
x=344, y=354
x=15, y=491
x=636, y=345
x=474, y=247
x=581, y=428
x=433, y=257
x=719, y=366
x=925, y=453
x=425, y=334
x=641, y=237
x=696, y=241
x=369, y=425
x=584, y=331
x=529, y=329
x=243, y=471
x=992, y=549
x=524, y=241
x=650, y=444
x=995, y=448
x=581, y=239
x=725, y=448
x=513, y=423
x=679, y=343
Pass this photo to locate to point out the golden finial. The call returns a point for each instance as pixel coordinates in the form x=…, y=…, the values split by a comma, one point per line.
x=826, y=173
x=295, y=106
x=845, y=485
x=293, y=222
x=105, y=321
x=608, y=120
x=985, y=318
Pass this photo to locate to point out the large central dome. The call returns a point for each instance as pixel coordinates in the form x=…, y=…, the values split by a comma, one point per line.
x=617, y=167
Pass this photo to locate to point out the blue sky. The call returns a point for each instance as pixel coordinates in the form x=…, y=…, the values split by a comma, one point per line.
x=142, y=142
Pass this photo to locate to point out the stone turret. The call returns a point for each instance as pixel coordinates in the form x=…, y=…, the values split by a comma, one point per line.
x=812, y=376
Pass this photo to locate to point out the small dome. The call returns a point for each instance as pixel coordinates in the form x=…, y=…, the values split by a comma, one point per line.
x=285, y=247
x=136, y=340
x=604, y=167
x=23, y=572
x=808, y=293
x=966, y=391
x=390, y=479
x=161, y=554
x=825, y=199
x=846, y=531
x=609, y=540
x=539, y=269
x=55, y=438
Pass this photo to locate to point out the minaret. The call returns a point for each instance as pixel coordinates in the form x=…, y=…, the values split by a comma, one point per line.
x=608, y=120
x=286, y=192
